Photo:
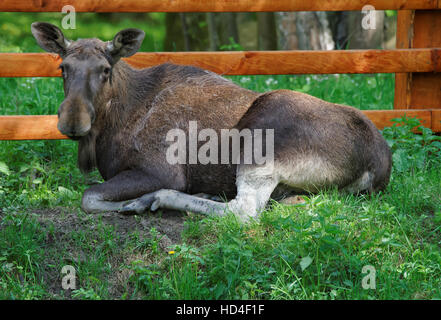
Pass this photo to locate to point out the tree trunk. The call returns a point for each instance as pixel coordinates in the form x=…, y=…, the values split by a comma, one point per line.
x=247, y=23
x=173, y=40
x=325, y=35
x=212, y=31
x=185, y=31
x=228, y=27
x=390, y=32
x=338, y=23
x=361, y=38
x=266, y=30
x=287, y=30
x=313, y=31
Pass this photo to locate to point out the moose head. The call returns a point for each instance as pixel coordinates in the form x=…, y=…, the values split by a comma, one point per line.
x=86, y=69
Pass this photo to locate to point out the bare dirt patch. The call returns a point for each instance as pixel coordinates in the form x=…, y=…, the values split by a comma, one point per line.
x=169, y=223
x=63, y=226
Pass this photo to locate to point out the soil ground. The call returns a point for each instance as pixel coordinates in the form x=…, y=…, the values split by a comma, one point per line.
x=63, y=245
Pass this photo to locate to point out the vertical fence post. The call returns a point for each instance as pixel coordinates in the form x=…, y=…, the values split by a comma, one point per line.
x=425, y=88
x=404, y=41
x=420, y=29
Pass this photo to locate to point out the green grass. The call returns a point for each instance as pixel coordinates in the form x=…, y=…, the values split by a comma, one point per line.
x=15, y=29
x=365, y=92
x=315, y=250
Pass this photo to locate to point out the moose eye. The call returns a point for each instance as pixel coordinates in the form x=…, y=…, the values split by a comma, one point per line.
x=106, y=71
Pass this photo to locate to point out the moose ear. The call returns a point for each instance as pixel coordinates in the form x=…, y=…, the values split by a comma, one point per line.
x=50, y=38
x=125, y=44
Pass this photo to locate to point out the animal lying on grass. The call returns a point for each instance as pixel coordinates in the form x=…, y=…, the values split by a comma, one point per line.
x=122, y=116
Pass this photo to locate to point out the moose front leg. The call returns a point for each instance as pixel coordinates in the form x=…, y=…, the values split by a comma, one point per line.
x=174, y=200
x=254, y=189
x=114, y=193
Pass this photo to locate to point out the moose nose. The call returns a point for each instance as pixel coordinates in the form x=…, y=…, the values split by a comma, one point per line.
x=75, y=117
x=74, y=132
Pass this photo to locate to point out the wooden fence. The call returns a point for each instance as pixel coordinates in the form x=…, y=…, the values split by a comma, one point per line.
x=416, y=61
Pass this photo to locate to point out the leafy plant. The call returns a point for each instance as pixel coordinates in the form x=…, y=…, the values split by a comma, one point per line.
x=413, y=145
x=84, y=294
x=232, y=46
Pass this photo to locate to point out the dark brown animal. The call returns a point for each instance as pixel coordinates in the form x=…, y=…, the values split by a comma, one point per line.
x=121, y=117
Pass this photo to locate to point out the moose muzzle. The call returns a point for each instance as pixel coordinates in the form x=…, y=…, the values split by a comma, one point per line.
x=75, y=117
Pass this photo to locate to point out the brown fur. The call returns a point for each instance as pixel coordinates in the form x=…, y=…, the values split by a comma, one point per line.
x=131, y=110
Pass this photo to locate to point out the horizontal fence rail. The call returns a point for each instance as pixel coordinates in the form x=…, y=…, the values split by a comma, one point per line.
x=45, y=127
x=211, y=5
x=251, y=62
x=29, y=128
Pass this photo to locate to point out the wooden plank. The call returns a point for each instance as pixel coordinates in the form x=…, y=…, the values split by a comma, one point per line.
x=45, y=127
x=404, y=29
x=403, y=41
x=210, y=5
x=248, y=62
x=29, y=65
x=29, y=128
x=436, y=120
x=382, y=118
x=425, y=89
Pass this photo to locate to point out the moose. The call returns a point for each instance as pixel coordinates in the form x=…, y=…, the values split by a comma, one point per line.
x=121, y=115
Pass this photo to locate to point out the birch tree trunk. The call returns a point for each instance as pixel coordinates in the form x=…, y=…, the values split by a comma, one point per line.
x=313, y=31
x=287, y=30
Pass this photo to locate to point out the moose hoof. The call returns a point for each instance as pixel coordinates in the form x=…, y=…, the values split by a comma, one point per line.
x=139, y=205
